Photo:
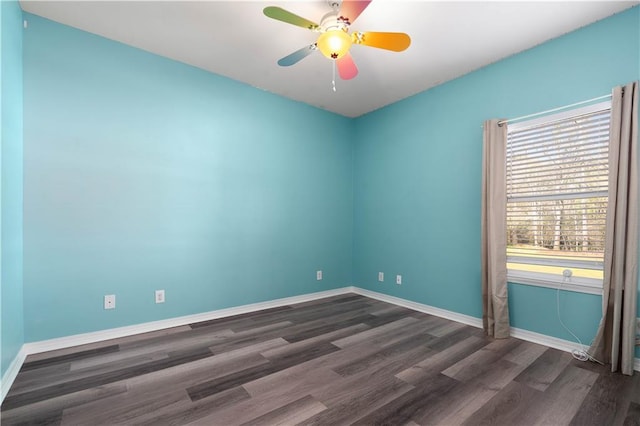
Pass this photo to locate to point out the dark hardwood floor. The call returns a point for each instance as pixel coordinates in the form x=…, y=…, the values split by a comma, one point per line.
x=341, y=360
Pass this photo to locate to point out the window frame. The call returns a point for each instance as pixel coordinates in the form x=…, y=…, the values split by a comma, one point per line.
x=540, y=279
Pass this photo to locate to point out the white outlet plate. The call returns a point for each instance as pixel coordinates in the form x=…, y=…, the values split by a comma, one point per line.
x=318, y=275
x=381, y=276
x=159, y=296
x=110, y=301
x=399, y=279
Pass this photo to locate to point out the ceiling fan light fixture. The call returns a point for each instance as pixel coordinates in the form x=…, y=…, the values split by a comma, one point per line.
x=334, y=40
x=334, y=44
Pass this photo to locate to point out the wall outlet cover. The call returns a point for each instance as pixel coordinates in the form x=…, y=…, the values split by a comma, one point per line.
x=318, y=275
x=381, y=276
x=110, y=301
x=159, y=296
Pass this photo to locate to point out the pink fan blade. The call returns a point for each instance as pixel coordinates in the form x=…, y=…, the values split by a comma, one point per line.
x=351, y=9
x=346, y=67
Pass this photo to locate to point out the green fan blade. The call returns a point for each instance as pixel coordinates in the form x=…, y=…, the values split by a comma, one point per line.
x=280, y=14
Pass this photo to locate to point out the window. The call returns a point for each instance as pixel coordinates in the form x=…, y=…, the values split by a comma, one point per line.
x=557, y=194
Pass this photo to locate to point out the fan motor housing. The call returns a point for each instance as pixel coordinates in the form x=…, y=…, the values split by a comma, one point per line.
x=331, y=21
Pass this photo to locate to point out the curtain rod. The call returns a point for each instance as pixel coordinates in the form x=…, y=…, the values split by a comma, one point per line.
x=500, y=123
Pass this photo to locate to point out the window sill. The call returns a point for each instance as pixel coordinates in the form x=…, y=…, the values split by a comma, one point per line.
x=576, y=284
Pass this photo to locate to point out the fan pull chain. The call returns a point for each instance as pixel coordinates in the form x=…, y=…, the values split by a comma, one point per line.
x=333, y=82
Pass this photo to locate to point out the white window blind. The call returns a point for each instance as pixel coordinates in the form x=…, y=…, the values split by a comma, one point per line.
x=557, y=186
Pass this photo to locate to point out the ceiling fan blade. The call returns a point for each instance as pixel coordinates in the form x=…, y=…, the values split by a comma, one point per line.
x=297, y=56
x=351, y=9
x=389, y=41
x=280, y=14
x=346, y=67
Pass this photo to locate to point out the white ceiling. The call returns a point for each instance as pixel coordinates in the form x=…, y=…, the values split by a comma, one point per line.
x=235, y=39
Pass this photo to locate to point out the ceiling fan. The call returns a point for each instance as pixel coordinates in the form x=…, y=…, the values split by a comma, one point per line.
x=334, y=40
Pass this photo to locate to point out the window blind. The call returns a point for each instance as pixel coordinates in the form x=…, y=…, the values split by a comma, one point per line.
x=557, y=187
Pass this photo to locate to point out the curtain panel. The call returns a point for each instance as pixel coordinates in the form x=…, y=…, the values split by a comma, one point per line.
x=615, y=340
x=495, y=308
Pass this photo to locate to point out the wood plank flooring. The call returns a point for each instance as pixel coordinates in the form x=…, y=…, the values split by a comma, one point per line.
x=340, y=360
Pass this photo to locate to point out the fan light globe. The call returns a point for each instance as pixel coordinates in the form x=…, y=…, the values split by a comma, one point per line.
x=334, y=44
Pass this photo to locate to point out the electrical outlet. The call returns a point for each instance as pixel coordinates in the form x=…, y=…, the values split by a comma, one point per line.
x=110, y=301
x=399, y=279
x=381, y=276
x=319, y=275
x=159, y=296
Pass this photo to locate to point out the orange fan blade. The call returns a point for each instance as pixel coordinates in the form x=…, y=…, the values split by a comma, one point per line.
x=351, y=9
x=346, y=67
x=389, y=41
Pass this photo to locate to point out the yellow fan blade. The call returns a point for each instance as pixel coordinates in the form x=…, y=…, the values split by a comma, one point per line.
x=389, y=41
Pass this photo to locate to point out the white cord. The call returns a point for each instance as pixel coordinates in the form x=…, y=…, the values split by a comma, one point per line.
x=333, y=82
x=579, y=354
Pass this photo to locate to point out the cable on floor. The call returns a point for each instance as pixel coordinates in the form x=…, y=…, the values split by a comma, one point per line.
x=579, y=354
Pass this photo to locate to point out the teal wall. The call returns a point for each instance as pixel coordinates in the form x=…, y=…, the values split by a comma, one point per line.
x=418, y=173
x=11, y=313
x=142, y=173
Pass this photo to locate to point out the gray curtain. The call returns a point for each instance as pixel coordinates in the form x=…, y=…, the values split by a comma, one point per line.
x=495, y=310
x=615, y=339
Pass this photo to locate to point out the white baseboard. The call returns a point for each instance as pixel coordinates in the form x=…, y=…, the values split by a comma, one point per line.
x=12, y=372
x=420, y=307
x=114, y=333
x=543, y=339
